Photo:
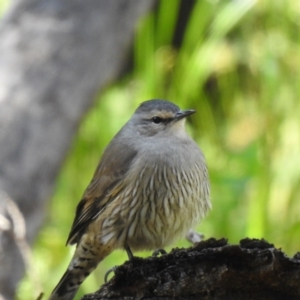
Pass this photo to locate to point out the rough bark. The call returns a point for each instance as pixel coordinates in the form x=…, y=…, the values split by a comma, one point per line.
x=55, y=55
x=212, y=269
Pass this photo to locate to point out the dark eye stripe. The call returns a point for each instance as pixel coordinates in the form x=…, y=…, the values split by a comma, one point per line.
x=164, y=121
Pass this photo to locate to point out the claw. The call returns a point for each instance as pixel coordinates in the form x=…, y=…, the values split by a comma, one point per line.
x=113, y=269
x=159, y=251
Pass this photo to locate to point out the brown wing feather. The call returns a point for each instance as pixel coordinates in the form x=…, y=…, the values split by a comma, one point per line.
x=112, y=168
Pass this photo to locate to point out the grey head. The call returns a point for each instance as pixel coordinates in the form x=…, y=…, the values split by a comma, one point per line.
x=159, y=118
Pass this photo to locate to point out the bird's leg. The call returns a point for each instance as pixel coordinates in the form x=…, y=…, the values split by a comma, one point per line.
x=113, y=269
x=129, y=253
x=159, y=251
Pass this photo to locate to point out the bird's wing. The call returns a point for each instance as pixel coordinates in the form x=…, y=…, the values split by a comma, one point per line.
x=113, y=166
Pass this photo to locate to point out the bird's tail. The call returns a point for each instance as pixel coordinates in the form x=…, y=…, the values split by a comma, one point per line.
x=80, y=267
x=67, y=287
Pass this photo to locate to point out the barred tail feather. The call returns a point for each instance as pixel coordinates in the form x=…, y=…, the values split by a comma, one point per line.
x=66, y=288
x=84, y=261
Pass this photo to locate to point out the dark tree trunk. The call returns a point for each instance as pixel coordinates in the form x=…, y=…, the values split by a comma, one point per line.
x=210, y=270
x=54, y=56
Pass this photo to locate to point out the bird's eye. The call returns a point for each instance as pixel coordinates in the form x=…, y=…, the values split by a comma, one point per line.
x=157, y=120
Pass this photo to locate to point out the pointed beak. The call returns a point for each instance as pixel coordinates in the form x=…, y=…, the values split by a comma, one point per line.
x=183, y=113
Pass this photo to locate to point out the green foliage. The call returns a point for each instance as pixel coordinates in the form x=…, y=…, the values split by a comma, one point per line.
x=3, y=6
x=238, y=65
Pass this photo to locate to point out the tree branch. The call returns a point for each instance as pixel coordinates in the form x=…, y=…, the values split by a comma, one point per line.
x=211, y=269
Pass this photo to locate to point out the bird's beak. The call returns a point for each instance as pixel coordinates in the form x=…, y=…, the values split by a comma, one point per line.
x=183, y=113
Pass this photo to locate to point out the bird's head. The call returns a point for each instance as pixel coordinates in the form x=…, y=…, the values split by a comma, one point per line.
x=161, y=118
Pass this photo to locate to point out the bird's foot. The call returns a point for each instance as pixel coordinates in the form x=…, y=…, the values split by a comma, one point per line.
x=194, y=237
x=113, y=269
x=159, y=251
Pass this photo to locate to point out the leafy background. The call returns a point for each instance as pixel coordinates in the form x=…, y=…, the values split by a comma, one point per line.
x=237, y=63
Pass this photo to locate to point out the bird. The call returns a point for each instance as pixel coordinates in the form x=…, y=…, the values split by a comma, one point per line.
x=150, y=187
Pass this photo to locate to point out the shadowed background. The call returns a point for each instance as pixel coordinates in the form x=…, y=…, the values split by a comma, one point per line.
x=237, y=63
